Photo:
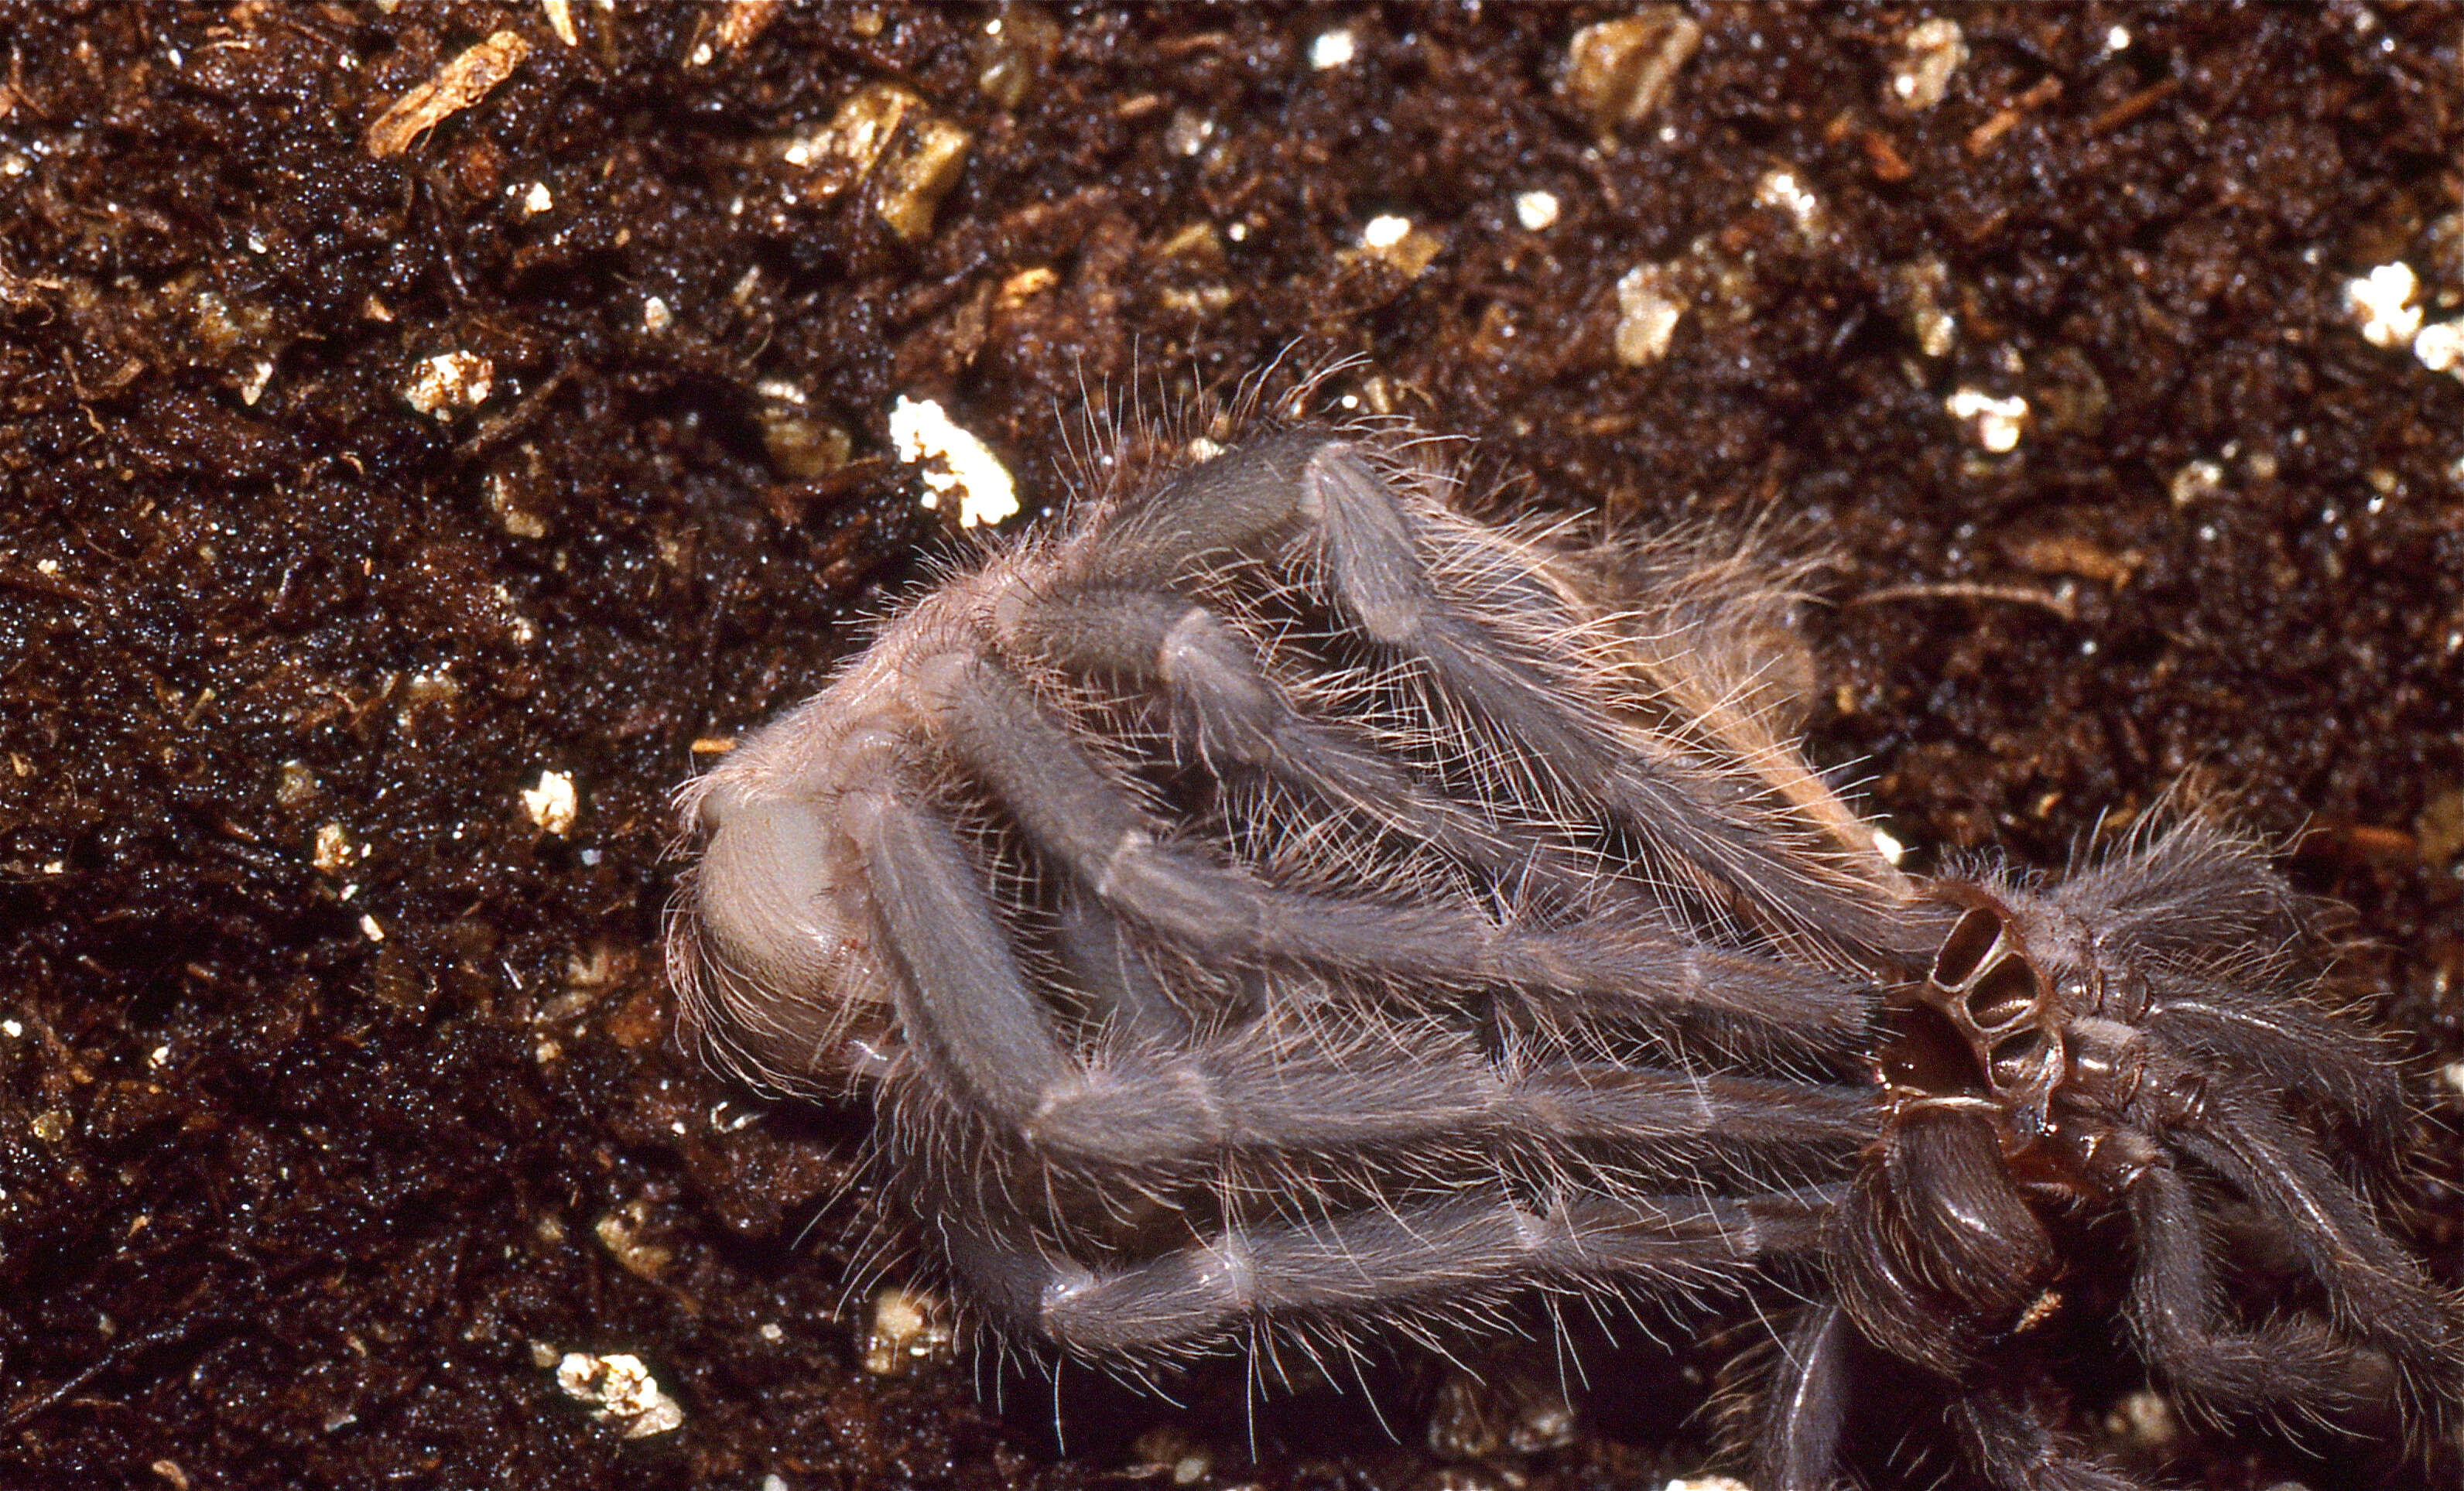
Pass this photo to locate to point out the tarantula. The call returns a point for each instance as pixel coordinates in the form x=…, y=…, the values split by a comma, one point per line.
x=1270, y=901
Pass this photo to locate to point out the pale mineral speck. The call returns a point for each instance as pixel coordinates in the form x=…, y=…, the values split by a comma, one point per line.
x=1187, y=132
x=1535, y=209
x=908, y=1328
x=2198, y=479
x=370, y=928
x=655, y=316
x=519, y=627
x=957, y=464
x=1996, y=424
x=1618, y=71
x=2381, y=303
x=1400, y=242
x=504, y=501
x=2147, y=1421
x=2452, y=1074
x=1890, y=848
x=1781, y=189
x=931, y=152
x=553, y=805
x=1029, y=283
x=1648, y=310
x=1708, y=1484
x=253, y=386
x=448, y=381
x=332, y=852
x=2117, y=40
x=2440, y=347
x=1331, y=50
x=1927, y=283
x=620, y=1391
x=1202, y=300
x=1930, y=52
x=538, y=199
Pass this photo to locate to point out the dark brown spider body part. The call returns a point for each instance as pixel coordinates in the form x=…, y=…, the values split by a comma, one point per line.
x=2141, y=1038
x=1272, y=903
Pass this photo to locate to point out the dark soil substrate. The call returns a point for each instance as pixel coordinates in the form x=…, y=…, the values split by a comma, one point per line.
x=337, y=1093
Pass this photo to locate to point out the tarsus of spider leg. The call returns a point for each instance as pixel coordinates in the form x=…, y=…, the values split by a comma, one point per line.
x=1689, y=628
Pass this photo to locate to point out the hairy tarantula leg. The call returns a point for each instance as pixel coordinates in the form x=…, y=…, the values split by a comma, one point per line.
x=974, y=1005
x=2173, y=1305
x=1638, y=1103
x=1189, y=1107
x=1383, y=581
x=1799, y=1446
x=1078, y=818
x=1096, y=947
x=2375, y=1291
x=2009, y=1443
x=1433, y=1255
x=964, y=994
x=969, y=1002
x=2182, y=895
x=1230, y=709
x=1316, y=479
x=2328, y=1058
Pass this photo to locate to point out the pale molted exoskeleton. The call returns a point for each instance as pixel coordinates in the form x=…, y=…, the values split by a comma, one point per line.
x=1271, y=900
